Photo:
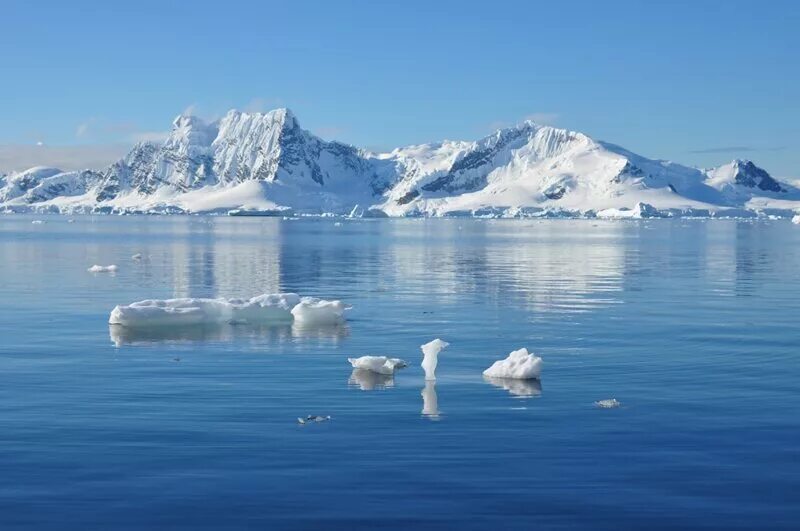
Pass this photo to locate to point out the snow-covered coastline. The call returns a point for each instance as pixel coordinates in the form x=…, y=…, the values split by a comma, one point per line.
x=265, y=164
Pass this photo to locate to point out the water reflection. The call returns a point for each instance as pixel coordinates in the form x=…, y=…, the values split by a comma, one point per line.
x=515, y=387
x=370, y=381
x=430, y=401
x=121, y=335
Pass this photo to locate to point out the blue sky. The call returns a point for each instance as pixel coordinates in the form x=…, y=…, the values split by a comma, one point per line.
x=697, y=82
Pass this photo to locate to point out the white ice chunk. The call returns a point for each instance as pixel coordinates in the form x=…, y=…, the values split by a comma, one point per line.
x=608, y=403
x=311, y=311
x=378, y=364
x=268, y=308
x=520, y=364
x=102, y=269
x=37, y=222
x=430, y=357
x=796, y=219
x=137, y=257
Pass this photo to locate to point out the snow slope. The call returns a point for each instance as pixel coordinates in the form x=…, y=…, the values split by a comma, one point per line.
x=267, y=164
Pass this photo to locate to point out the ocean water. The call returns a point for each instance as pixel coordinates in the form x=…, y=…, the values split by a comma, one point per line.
x=691, y=325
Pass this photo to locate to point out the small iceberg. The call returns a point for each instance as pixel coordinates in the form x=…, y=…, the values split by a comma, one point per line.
x=608, y=403
x=276, y=308
x=102, y=269
x=313, y=418
x=430, y=357
x=369, y=381
x=377, y=364
x=519, y=365
x=37, y=222
x=796, y=219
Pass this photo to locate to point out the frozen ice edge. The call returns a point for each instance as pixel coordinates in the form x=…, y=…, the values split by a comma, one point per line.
x=277, y=308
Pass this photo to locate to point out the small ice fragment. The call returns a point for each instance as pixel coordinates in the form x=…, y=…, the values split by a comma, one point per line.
x=37, y=222
x=520, y=364
x=608, y=403
x=337, y=224
x=102, y=269
x=313, y=418
x=70, y=220
x=796, y=219
x=377, y=364
x=430, y=357
x=311, y=311
x=136, y=257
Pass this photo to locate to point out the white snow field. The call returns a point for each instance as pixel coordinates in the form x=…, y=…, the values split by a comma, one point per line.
x=377, y=364
x=267, y=164
x=430, y=357
x=263, y=309
x=103, y=269
x=519, y=364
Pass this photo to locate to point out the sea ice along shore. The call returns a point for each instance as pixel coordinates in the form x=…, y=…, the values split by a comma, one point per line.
x=278, y=308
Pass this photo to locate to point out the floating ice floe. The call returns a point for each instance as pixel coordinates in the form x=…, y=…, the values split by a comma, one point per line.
x=136, y=257
x=37, y=222
x=311, y=311
x=102, y=269
x=430, y=357
x=796, y=219
x=264, y=309
x=313, y=418
x=278, y=308
x=608, y=403
x=377, y=364
x=520, y=365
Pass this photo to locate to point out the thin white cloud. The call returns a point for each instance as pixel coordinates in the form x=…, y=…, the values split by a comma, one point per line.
x=263, y=105
x=149, y=136
x=82, y=130
x=21, y=157
x=543, y=118
x=329, y=132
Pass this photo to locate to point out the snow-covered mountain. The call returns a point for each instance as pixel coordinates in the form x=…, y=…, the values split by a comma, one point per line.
x=265, y=163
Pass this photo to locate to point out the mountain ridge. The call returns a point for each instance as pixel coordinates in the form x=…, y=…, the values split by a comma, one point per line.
x=266, y=163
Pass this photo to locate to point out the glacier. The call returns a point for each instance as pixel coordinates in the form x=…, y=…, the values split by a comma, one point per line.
x=266, y=164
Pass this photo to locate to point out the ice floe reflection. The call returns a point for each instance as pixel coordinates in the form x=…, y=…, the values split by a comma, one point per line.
x=516, y=387
x=370, y=381
x=121, y=335
x=430, y=400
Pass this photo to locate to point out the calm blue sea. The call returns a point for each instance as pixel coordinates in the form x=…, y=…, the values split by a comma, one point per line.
x=691, y=325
